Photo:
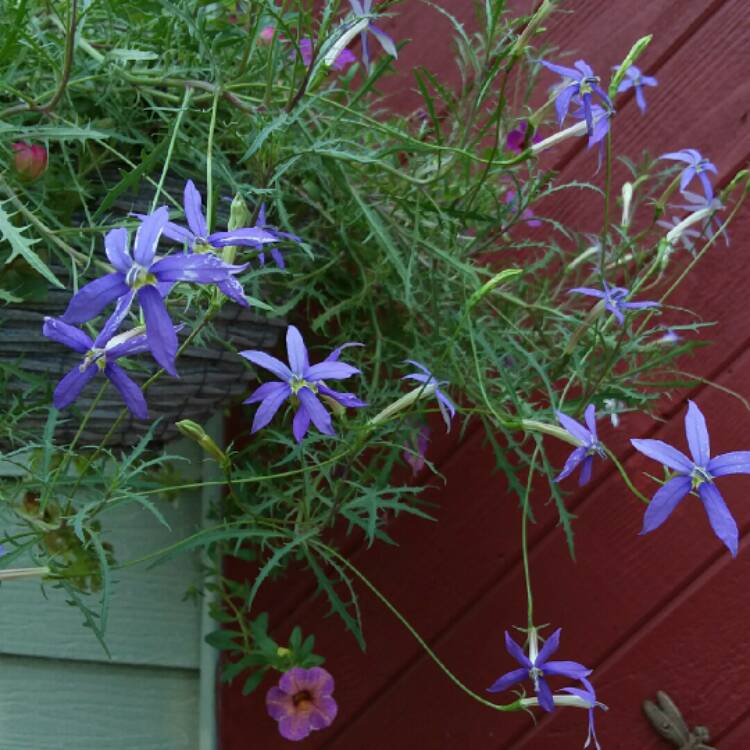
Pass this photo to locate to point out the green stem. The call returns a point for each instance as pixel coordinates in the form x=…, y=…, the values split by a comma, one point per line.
x=210, y=198
x=624, y=474
x=515, y=706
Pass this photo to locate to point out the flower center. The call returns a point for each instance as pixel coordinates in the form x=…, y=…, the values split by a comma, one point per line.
x=297, y=384
x=699, y=476
x=94, y=356
x=534, y=674
x=587, y=85
x=138, y=276
x=302, y=697
x=201, y=245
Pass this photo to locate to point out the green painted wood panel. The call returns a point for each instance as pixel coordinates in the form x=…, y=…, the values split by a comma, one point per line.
x=63, y=705
x=149, y=623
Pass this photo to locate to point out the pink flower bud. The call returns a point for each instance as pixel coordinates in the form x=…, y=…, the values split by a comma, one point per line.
x=30, y=160
x=266, y=34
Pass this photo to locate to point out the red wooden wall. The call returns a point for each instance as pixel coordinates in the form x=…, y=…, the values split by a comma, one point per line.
x=667, y=611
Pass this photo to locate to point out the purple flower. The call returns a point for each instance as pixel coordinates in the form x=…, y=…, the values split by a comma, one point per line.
x=303, y=702
x=302, y=383
x=197, y=235
x=364, y=9
x=696, y=165
x=415, y=449
x=527, y=214
x=142, y=275
x=615, y=299
x=588, y=448
x=587, y=696
x=100, y=355
x=712, y=224
x=446, y=406
x=536, y=666
x=635, y=80
x=687, y=235
x=694, y=475
x=344, y=58
x=601, y=118
x=516, y=138
x=197, y=239
x=278, y=235
x=579, y=82
x=670, y=337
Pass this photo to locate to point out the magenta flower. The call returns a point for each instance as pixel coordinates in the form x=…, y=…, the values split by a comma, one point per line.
x=697, y=166
x=694, y=475
x=635, y=80
x=615, y=299
x=302, y=702
x=536, y=666
x=579, y=82
x=415, y=449
x=302, y=383
x=588, y=448
x=516, y=138
x=99, y=356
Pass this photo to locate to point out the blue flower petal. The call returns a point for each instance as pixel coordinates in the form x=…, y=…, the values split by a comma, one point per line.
x=502, y=683
x=697, y=434
x=664, y=454
x=664, y=502
x=129, y=390
x=91, y=299
x=720, y=518
x=162, y=338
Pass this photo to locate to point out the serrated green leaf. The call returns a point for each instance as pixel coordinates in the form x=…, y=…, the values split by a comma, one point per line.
x=22, y=246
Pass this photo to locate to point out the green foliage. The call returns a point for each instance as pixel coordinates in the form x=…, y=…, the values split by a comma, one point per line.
x=411, y=244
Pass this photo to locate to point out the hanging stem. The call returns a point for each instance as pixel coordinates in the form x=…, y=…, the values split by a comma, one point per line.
x=515, y=706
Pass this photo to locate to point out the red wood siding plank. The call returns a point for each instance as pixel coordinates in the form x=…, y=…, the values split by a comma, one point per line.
x=360, y=679
x=620, y=583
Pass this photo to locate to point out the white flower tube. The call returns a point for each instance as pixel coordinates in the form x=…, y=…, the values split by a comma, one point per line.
x=343, y=41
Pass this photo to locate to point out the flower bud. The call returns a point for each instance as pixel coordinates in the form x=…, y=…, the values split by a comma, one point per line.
x=30, y=160
x=239, y=216
x=196, y=433
x=265, y=36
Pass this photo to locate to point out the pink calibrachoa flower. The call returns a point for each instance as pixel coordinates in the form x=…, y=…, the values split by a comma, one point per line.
x=30, y=160
x=302, y=702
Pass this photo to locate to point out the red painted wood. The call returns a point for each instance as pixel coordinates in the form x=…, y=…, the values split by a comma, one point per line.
x=455, y=566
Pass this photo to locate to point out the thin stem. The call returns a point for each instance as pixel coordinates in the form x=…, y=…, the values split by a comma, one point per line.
x=173, y=139
x=515, y=706
x=210, y=198
x=624, y=475
x=64, y=78
x=524, y=538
